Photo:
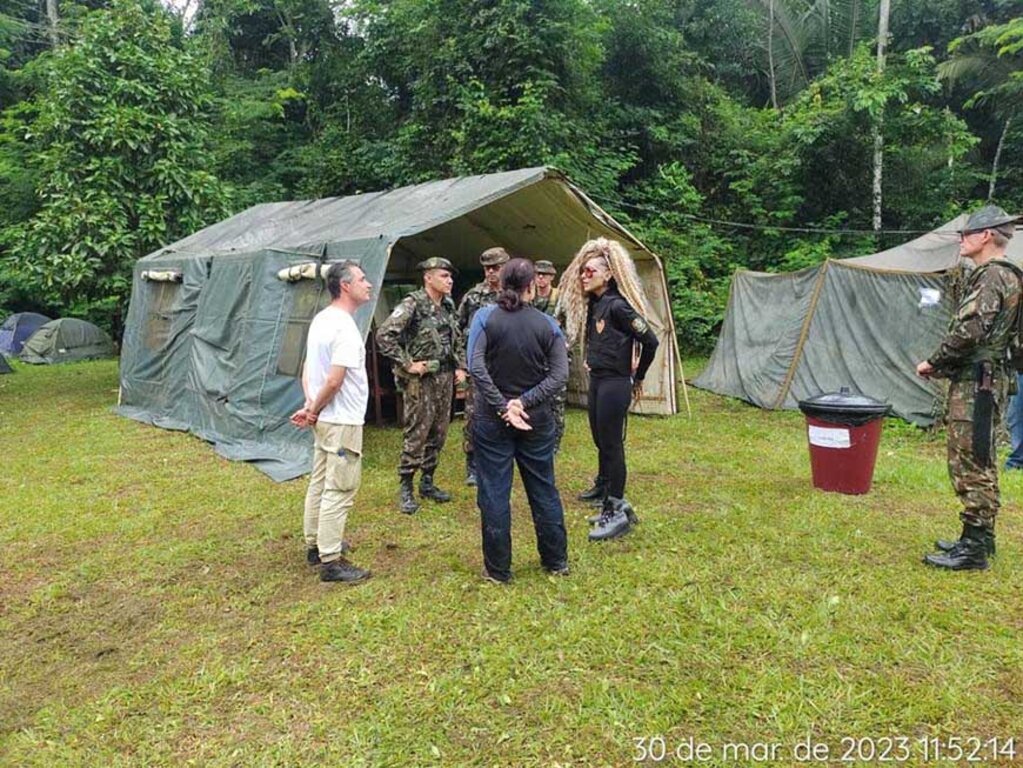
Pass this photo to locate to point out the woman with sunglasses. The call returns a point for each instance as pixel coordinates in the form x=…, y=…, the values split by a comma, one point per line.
x=603, y=301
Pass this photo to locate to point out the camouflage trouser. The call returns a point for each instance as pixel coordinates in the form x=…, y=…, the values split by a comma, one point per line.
x=470, y=407
x=558, y=407
x=974, y=483
x=427, y=415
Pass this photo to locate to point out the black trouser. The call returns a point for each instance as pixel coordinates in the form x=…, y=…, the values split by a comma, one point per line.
x=609, y=399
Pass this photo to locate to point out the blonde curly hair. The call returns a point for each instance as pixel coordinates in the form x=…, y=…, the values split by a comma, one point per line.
x=572, y=301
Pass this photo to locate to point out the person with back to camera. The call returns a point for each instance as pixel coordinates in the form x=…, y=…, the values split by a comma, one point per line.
x=518, y=361
x=604, y=305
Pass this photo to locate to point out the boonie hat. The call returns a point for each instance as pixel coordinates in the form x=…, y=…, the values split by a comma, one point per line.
x=544, y=267
x=990, y=217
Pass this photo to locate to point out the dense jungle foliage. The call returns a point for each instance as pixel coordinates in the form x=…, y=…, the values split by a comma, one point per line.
x=719, y=131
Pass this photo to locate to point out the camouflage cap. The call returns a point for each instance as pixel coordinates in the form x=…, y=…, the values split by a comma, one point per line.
x=544, y=267
x=436, y=262
x=493, y=257
x=991, y=217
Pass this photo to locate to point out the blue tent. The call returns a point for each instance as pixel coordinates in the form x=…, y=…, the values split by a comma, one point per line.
x=16, y=330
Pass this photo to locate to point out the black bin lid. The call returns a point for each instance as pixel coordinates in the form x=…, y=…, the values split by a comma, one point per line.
x=844, y=404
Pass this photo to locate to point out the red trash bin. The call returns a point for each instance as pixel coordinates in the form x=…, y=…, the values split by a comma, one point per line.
x=843, y=431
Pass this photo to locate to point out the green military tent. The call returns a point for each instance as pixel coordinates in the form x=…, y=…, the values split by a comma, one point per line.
x=215, y=333
x=862, y=323
x=66, y=340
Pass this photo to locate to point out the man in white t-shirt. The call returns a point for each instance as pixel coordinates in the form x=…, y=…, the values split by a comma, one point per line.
x=336, y=392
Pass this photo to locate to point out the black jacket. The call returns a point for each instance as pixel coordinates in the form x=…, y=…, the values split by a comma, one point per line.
x=519, y=354
x=612, y=327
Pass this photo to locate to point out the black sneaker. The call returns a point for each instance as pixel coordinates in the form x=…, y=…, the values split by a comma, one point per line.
x=312, y=555
x=342, y=570
x=595, y=492
x=558, y=570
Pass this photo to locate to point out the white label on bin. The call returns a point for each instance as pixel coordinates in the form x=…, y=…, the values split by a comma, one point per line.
x=826, y=437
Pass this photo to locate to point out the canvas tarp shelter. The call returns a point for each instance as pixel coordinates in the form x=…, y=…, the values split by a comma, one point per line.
x=17, y=329
x=214, y=339
x=862, y=323
x=67, y=340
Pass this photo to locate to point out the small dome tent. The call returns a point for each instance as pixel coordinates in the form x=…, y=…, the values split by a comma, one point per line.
x=17, y=329
x=66, y=341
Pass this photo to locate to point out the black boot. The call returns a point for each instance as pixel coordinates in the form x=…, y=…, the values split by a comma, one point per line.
x=969, y=553
x=613, y=522
x=408, y=504
x=596, y=492
x=342, y=570
x=427, y=490
x=629, y=512
x=470, y=469
x=947, y=545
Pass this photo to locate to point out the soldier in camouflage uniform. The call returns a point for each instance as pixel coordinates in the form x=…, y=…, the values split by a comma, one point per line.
x=480, y=295
x=973, y=356
x=546, y=299
x=421, y=338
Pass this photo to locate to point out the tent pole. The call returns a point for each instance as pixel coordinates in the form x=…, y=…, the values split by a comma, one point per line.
x=783, y=392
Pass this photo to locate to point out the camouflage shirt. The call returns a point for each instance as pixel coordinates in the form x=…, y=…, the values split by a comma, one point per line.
x=419, y=329
x=477, y=297
x=546, y=303
x=983, y=323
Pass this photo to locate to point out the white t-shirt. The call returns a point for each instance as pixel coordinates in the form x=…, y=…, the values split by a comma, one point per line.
x=334, y=339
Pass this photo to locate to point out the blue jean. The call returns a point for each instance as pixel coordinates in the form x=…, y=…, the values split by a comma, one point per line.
x=498, y=448
x=1014, y=421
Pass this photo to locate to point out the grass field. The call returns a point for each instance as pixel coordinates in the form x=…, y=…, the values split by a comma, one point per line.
x=156, y=608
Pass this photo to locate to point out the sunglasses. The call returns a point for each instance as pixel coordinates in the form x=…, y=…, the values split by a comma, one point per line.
x=590, y=271
x=964, y=235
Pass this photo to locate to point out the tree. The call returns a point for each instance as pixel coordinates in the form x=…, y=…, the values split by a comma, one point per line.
x=120, y=143
x=990, y=61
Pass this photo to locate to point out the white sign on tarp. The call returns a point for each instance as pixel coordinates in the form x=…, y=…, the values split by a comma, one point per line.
x=929, y=297
x=829, y=437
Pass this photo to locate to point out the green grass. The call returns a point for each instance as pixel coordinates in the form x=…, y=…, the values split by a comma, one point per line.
x=156, y=609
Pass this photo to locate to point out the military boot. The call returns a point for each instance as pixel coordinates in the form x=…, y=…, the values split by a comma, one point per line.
x=613, y=522
x=629, y=512
x=408, y=504
x=596, y=492
x=947, y=545
x=470, y=469
x=968, y=554
x=427, y=490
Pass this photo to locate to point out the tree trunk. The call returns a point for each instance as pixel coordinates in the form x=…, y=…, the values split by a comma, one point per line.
x=997, y=160
x=770, y=54
x=53, y=17
x=882, y=42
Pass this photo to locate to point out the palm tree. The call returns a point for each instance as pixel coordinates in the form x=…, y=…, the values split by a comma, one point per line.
x=990, y=63
x=804, y=36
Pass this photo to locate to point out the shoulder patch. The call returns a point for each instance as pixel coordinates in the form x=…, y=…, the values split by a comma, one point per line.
x=639, y=325
x=398, y=311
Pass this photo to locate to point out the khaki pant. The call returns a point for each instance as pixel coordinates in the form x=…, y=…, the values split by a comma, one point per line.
x=337, y=472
